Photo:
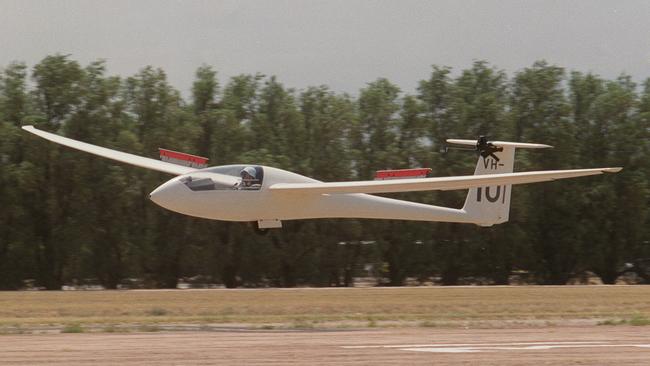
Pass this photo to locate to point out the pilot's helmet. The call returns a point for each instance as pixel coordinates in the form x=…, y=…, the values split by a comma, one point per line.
x=250, y=171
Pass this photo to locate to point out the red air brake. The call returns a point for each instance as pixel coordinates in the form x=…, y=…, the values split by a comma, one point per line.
x=402, y=173
x=184, y=159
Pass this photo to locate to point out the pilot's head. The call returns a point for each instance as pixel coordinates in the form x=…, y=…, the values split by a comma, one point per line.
x=248, y=175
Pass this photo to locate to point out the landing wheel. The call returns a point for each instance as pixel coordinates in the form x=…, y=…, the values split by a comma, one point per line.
x=257, y=229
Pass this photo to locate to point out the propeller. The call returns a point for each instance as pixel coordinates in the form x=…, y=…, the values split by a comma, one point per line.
x=484, y=147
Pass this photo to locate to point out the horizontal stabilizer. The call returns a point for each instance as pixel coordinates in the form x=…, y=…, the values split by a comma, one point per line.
x=522, y=145
x=435, y=184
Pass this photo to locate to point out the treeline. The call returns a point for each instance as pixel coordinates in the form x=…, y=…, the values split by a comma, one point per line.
x=67, y=217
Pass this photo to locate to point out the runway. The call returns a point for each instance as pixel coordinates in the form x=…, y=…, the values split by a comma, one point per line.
x=591, y=345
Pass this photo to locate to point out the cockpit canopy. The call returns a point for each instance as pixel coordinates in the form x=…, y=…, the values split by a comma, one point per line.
x=246, y=178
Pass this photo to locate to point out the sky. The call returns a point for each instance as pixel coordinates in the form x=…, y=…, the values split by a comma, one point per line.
x=342, y=44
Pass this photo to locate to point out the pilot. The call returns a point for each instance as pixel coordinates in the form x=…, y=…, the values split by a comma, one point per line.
x=249, y=178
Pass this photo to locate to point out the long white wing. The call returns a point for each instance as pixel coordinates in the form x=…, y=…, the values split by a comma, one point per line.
x=435, y=184
x=123, y=157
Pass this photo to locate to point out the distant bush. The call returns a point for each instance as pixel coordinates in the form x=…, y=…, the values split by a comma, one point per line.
x=149, y=328
x=157, y=311
x=612, y=322
x=639, y=320
x=73, y=328
x=427, y=324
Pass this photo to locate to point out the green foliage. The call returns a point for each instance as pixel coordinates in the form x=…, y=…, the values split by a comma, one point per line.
x=639, y=320
x=636, y=320
x=58, y=86
x=70, y=218
x=205, y=89
x=72, y=328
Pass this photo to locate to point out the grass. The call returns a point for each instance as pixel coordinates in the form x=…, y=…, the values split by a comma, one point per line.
x=149, y=328
x=372, y=323
x=639, y=320
x=324, y=308
x=73, y=328
x=109, y=329
x=427, y=324
x=302, y=324
x=636, y=320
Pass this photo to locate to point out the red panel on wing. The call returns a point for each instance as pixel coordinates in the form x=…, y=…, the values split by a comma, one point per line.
x=180, y=158
x=402, y=173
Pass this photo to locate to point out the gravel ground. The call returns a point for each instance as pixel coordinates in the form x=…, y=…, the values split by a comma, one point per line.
x=588, y=345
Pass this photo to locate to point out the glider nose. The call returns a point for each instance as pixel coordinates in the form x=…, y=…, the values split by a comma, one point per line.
x=166, y=194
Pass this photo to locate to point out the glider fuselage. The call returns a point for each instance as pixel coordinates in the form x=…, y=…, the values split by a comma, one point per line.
x=234, y=203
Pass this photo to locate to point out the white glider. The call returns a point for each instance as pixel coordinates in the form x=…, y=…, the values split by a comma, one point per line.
x=270, y=195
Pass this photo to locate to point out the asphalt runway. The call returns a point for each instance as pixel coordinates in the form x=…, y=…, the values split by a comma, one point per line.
x=592, y=345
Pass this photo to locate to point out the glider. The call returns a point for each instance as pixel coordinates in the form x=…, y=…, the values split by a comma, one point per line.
x=269, y=195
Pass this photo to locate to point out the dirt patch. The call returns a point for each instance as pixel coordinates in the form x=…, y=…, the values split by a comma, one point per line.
x=593, y=345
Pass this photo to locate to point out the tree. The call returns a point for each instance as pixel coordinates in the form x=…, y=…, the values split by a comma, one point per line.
x=13, y=248
x=205, y=89
x=48, y=199
x=540, y=112
x=58, y=87
x=13, y=103
x=614, y=219
x=156, y=111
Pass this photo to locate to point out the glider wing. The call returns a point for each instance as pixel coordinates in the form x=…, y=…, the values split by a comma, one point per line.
x=123, y=157
x=435, y=184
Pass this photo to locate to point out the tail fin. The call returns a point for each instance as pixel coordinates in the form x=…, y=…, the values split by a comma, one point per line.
x=491, y=205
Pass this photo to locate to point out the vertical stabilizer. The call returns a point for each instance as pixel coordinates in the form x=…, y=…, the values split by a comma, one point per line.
x=491, y=204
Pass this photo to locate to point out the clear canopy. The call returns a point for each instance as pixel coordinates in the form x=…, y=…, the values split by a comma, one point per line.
x=249, y=178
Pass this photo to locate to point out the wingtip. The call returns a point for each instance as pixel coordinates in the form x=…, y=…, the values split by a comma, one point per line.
x=613, y=170
x=28, y=128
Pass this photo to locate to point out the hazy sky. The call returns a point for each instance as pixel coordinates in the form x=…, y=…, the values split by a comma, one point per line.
x=343, y=44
